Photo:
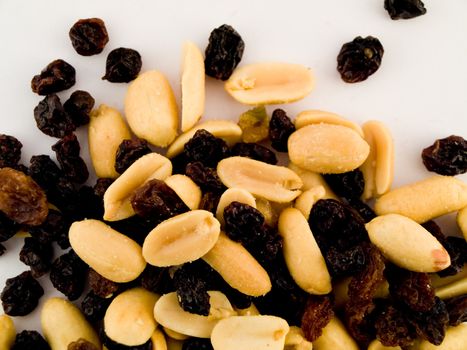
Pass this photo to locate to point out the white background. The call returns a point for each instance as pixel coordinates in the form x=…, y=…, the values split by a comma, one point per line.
x=420, y=91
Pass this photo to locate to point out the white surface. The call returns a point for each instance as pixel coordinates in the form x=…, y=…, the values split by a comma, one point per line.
x=419, y=91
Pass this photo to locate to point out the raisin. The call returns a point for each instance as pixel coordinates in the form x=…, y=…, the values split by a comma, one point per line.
x=347, y=185
x=112, y=345
x=89, y=36
x=64, y=195
x=280, y=128
x=51, y=118
x=54, y=226
x=404, y=9
x=135, y=227
x=242, y=222
x=365, y=212
x=8, y=228
x=21, y=198
x=210, y=201
x=446, y=156
x=100, y=285
x=254, y=151
x=254, y=124
x=457, y=310
x=29, y=340
x=81, y=344
x=191, y=290
x=68, y=275
x=130, y=151
x=79, y=106
x=156, y=280
x=358, y=318
x=206, y=178
x=318, y=313
x=204, y=147
x=345, y=263
x=122, y=66
x=57, y=76
x=2, y=249
x=179, y=163
x=102, y=184
x=431, y=325
x=360, y=58
x=67, y=150
x=224, y=52
x=94, y=306
x=44, y=171
x=21, y=294
x=392, y=327
x=37, y=256
x=10, y=151
x=197, y=344
x=87, y=206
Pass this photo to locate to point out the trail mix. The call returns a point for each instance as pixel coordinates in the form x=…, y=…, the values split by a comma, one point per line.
x=214, y=246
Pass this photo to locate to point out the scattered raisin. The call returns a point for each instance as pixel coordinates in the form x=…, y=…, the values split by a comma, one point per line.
x=79, y=106
x=100, y=285
x=404, y=9
x=94, y=306
x=87, y=206
x=242, y=222
x=431, y=325
x=204, y=147
x=102, y=184
x=206, y=178
x=68, y=275
x=130, y=151
x=318, y=313
x=51, y=118
x=365, y=212
x=280, y=128
x=359, y=59
x=210, y=201
x=254, y=124
x=457, y=310
x=67, y=150
x=347, y=185
x=44, y=171
x=21, y=294
x=179, y=163
x=446, y=156
x=191, y=290
x=254, y=151
x=156, y=280
x=358, y=318
x=345, y=263
x=81, y=344
x=197, y=344
x=30, y=340
x=393, y=328
x=8, y=228
x=224, y=52
x=57, y=76
x=10, y=151
x=37, y=256
x=89, y=36
x=135, y=227
x=54, y=227
x=122, y=66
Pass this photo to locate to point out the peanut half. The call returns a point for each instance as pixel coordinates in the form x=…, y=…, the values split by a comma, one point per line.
x=186, y=189
x=315, y=116
x=174, y=335
x=295, y=340
x=110, y=253
x=455, y=339
x=151, y=109
x=453, y=289
x=129, y=319
x=117, y=204
x=270, y=83
x=182, y=238
x=462, y=221
x=250, y=332
x=173, y=344
x=311, y=179
x=272, y=182
x=233, y=195
x=106, y=131
x=376, y=345
x=238, y=267
x=407, y=244
x=327, y=148
x=335, y=337
x=7, y=332
x=158, y=340
x=302, y=254
x=426, y=199
x=308, y=198
x=437, y=281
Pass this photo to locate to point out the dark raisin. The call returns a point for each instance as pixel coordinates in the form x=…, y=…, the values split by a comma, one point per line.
x=8, y=228
x=122, y=66
x=44, y=171
x=242, y=222
x=431, y=325
x=280, y=128
x=67, y=150
x=68, y=275
x=358, y=319
x=156, y=280
x=197, y=344
x=365, y=212
x=51, y=117
x=210, y=201
x=10, y=151
x=57, y=76
x=29, y=340
x=2, y=249
x=135, y=227
x=191, y=290
x=54, y=227
x=21, y=198
x=37, y=256
x=206, y=178
x=404, y=9
x=224, y=52
x=345, y=263
x=100, y=285
x=87, y=206
x=112, y=345
x=347, y=185
x=318, y=313
x=128, y=152
x=254, y=151
x=94, y=306
x=81, y=344
x=457, y=310
x=179, y=163
x=89, y=36
x=79, y=106
x=267, y=244
x=446, y=156
x=21, y=294
x=360, y=58
x=392, y=327
x=204, y=147
x=102, y=184
x=64, y=195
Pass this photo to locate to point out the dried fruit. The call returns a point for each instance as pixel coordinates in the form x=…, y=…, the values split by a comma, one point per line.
x=37, y=256
x=79, y=106
x=206, y=178
x=21, y=294
x=128, y=152
x=102, y=184
x=157, y=280
x=28, y=340
x=359, y=321
x=360, y=58
x=89, y=36
x=67, y=150
x=204, y=147
x=94, y=306
x=122, y=66
x=57, y=76
x=8, y=228
x=100, y=285
x=243, y=223
x=51, y=118
x=254, y=124
x=393, y=328
x=81, y=344
x=347, y=262
x=457, y=310
x=54, y=228
x=210, y=201
x=348, y=185
x=254, y=151
x=191, y=290
x=318, y=313
x=431, y=325
x=197, y=344
x=446, y=156
x=365, y=212
x=68, y=275
x=280, y=128
x=10, y=151
x=45, y=172
x=224, y=52
x=404, y=9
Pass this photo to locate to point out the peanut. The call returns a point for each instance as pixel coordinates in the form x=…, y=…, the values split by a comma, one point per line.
x=158, y=340
x=462, y=221
x=311, y=179
x=315, y=116
x=308, y=198
x=186, y=189
x=173, y=344
x=249, y=311
x=295, y=340
x=376, y=345
x=335, y=337
x=455, y=339
x=175, y=335
x=437, y=281
x=233, y=195
x=453, y=289
x=7, y=332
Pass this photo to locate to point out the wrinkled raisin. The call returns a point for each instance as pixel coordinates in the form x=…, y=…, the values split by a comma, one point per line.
x=365, y=212
x=242, y=222
x=52, y=229
x=21, y=294
x=392, y=327
x=254, y=151
x=224, y=52
x=179, y=163
x=446, y=156
x=197, y=344
x=457, y=310
x=347, y=262
x=431, y=325
x=135, y=227
x=254, y=124
x=404, y=9
x=358, y=319
x=156, y=280
x=29, y=340
x=89, y=36
x=67, y=150
x=204, y=147
x=318, y=313
x=8, y=228
x=210, y=201
x=78, y=106
x=51, y=118
x=87, y=205
x=130, y=151
x=57, y=76
x=100, y=285
x=191, y=290
x=280, y=128
x=45, y=171
x=348, y=185
x=102, y=184
x=68, y=275
x=94, y=306
x=10, y=151
x=81, y=344
x=360, y=58
x=122, y=66
x=21, y=198
x=37, y=256
x=206, y=178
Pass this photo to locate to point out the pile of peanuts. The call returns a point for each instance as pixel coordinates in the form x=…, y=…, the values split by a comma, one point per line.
x=322, y=143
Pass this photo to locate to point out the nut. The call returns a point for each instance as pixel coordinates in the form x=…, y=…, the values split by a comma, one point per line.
x=311, y=179
x=63, y=323
x=173, y=344
x=424, y=200
x=265, y=207
x=462, y=221
x=272, y=182
x=407, y=244
x=129, y=319
x=455, y=339
x=302, y=254
x=327, y=148
x=437, y=281
x=158, y=340
x=7, y=332
x=193, y=89
x=315, y=116
x=175, y=335
x=186, y=189
x=237, y=267
x=233, y=195
x=250, y=332
x=151, y=109
x=270, y=83
x=335, y=337
x=227, y=130
x=106, y=131
x=295, y=340
x=376, y=345
x=308, y=198
x=249, y=311
x=110, y=253
x=169, y=313
x=453, y=289
x=117, y=204
x=182, y=238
